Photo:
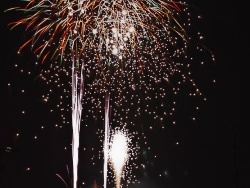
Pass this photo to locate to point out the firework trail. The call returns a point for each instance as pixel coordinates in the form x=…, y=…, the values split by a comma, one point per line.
x=106, y=140
x=114, y=47
x=77, y=93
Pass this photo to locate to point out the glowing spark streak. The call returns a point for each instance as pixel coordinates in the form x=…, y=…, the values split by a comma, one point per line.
x=77, y=92
x=119, y=154
x=106, y=136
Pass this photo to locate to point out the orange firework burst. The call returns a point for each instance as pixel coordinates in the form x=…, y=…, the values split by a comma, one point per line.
x=100, y=26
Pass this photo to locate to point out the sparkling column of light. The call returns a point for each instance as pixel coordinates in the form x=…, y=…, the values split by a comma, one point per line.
x=106, y=142
x=77, y=92
x=118, y=154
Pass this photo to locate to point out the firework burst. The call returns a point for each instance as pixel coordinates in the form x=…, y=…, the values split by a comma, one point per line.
x=121, y=150
x=126, y=57
x=118, y=154
x=102, y=27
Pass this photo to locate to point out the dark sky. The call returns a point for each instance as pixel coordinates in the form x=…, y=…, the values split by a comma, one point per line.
x=211, y=154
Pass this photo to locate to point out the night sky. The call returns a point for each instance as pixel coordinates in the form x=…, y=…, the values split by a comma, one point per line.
x=207, y=153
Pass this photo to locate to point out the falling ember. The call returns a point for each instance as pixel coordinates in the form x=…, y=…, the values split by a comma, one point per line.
x=119, y=154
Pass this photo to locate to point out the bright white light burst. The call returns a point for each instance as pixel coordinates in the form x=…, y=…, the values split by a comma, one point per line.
x=119, y=154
